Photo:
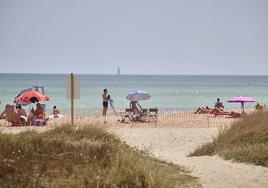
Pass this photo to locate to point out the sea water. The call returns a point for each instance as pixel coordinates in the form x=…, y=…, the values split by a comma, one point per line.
x=169, y=91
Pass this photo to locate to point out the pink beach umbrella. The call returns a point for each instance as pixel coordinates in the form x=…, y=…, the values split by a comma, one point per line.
x=242, y=100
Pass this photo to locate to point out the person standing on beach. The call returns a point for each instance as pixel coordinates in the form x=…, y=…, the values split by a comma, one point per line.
x=105, y=98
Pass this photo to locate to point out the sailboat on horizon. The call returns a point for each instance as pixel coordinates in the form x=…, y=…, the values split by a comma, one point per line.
x=118, y=72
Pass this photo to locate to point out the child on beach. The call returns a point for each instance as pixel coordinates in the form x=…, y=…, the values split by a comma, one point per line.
x=55, y=112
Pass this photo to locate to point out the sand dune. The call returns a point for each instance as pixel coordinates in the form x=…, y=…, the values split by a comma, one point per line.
x=174, y=144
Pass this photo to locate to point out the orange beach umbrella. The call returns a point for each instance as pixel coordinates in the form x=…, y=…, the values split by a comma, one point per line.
x=30, y=96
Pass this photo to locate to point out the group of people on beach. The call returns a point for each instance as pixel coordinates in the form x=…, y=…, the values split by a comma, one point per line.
x=137, y=110
x=219, y=110
x=134, y=106
x=16, y=115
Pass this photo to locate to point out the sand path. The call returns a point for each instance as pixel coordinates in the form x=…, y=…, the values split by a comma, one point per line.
x=174, y=144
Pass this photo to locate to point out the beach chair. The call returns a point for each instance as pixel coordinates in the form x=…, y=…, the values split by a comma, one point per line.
x=145, y=112
x=127, y=115
x=39, y=122
x=153, y=114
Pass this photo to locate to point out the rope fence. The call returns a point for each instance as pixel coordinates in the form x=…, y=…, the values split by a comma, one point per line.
x=167, y=117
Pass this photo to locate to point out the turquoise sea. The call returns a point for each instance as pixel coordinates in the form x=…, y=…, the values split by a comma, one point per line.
x=170, y=91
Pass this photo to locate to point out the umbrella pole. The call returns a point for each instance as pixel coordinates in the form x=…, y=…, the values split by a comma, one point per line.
x=243, y=108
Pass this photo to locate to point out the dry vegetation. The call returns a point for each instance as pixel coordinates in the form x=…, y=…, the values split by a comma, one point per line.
x=245, y=141
x=84, y=157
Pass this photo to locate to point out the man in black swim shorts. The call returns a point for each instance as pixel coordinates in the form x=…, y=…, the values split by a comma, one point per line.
x=105, y=98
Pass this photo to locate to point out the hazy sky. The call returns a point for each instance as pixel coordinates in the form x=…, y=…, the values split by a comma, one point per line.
x=139, y=36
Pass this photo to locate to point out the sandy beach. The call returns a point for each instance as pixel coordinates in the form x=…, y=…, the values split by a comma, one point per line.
x=162, y=76
x=172, y=138
x=174, y=144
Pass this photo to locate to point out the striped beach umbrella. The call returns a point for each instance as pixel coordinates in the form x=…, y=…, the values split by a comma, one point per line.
x=138, y=95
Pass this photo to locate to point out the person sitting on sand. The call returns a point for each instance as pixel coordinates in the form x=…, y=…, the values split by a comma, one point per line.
x=135, y=106
x=11, y=115
x=258, y=107
x=55, y=112
x=38, y=113
x=22, y=113
x=219, y=104
x=137, y=111
x=218, y=109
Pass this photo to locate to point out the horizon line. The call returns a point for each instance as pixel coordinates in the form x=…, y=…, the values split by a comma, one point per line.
x=137, y=74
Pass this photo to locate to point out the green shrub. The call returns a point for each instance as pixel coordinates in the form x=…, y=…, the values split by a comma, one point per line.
x=84, y=157
x=245, y=141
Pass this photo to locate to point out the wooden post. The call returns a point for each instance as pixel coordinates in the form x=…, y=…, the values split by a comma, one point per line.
x=72, y=98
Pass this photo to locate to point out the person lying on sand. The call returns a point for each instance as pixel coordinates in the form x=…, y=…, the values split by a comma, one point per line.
x=233, y=114
x=202, y=110
x=206, y=110
x=218, y=111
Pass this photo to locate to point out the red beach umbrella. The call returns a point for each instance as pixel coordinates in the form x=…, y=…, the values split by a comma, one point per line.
x=29, y=96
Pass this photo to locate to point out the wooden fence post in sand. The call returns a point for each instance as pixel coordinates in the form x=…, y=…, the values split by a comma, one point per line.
x=72, y=98
x=72, y=92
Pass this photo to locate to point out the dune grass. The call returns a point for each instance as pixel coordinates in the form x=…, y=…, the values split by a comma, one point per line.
x=245, y=141
x=83, y=157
